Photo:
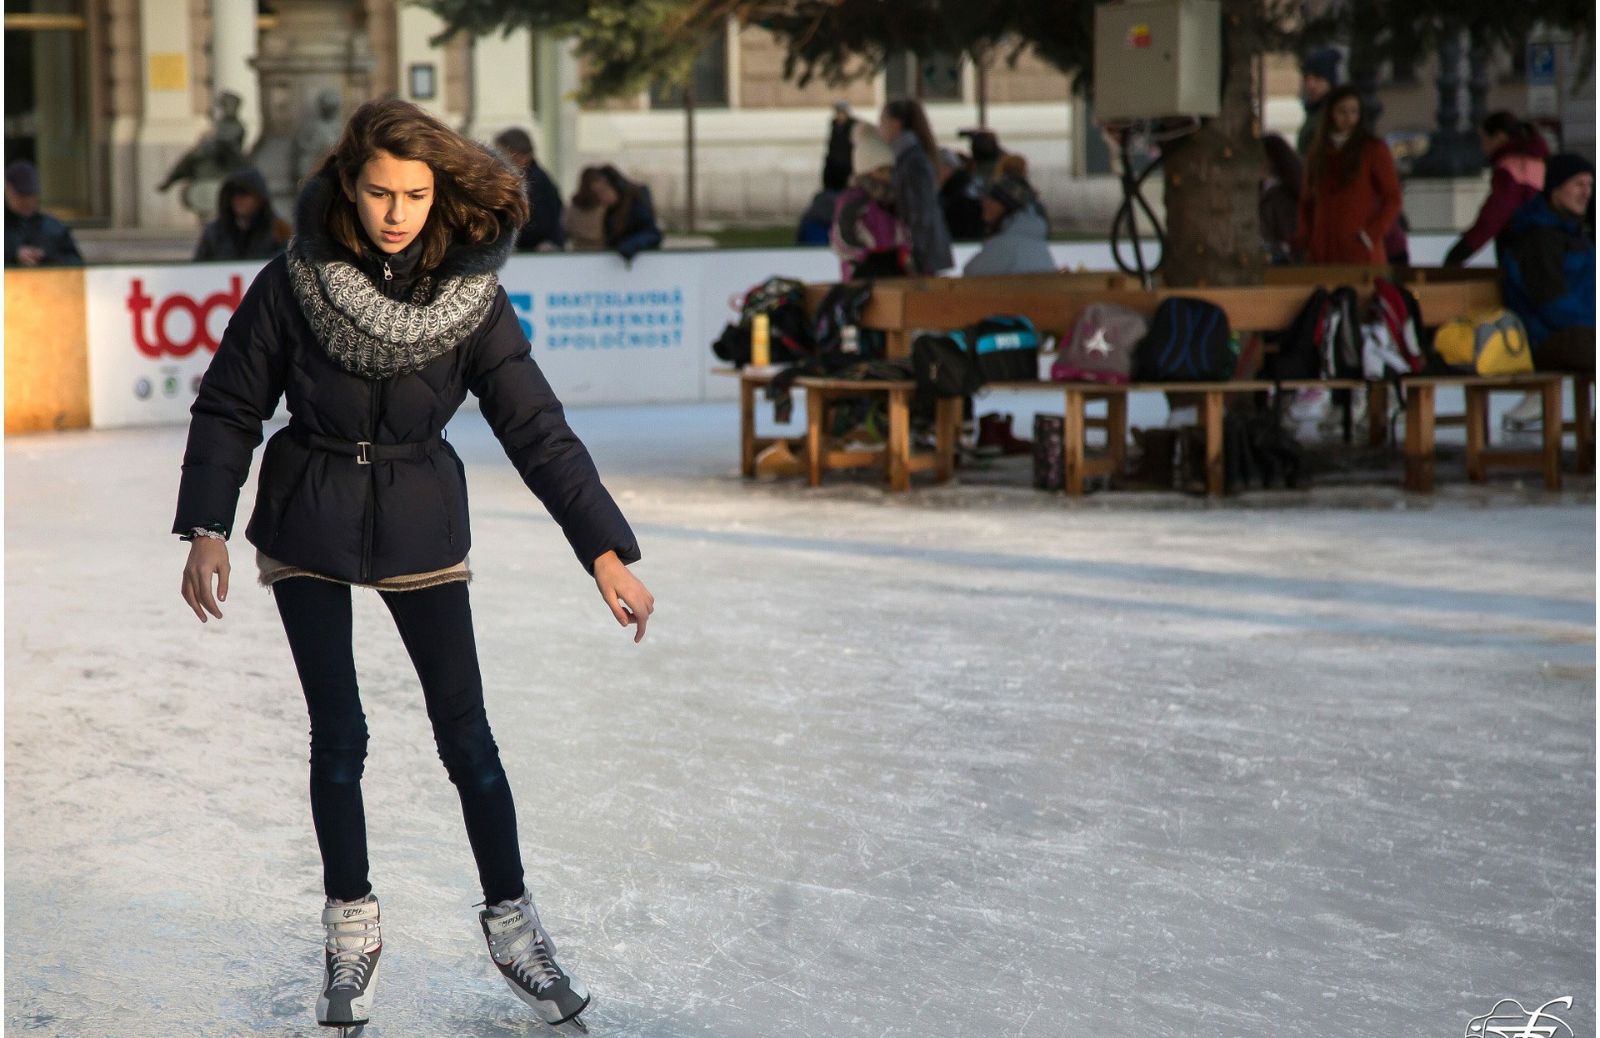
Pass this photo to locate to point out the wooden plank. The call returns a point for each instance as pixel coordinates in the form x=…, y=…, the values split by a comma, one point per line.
x=1477, y=423
x=1072, y=442
x=1552, y=435
x=1419, y=436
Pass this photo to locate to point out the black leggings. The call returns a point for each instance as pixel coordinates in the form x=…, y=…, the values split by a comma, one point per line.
x=436, y=626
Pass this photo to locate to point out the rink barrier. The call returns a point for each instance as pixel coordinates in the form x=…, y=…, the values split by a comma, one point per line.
x=47, y=350
x=126, y=345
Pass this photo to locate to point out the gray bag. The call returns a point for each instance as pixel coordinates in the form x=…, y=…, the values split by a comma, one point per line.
x=1102, y=345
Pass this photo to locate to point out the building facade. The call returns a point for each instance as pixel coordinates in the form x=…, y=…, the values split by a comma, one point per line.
x=106, y=95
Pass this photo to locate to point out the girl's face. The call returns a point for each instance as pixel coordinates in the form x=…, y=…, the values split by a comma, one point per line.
x=890, y=127
x=393, y=197
x=1491, y=142
x=1346, y=114
x=604, y=192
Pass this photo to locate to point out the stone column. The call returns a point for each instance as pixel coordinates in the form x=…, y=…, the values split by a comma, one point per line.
x=316, y=46
x=557, y=138
x=233, y=53
x=502, y=84
x=170, y=125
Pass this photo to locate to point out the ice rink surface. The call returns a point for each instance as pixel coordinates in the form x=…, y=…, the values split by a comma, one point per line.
x=964, y=763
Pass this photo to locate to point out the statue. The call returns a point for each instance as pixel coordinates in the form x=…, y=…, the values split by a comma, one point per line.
x=217, y=153
x=315, y=136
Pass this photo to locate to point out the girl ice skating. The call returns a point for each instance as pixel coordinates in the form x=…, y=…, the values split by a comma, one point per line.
x=380, y=318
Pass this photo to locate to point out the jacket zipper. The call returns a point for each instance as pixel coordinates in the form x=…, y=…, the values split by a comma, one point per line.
x=372, y=486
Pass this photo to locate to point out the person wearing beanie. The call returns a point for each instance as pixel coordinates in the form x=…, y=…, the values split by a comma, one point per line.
x=1547, y=259
x=867, y=235
x=1319, y=74
x=1018, y=232
x=34, y=238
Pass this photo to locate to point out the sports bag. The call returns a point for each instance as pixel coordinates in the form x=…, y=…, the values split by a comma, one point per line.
x=1005, y=349
x=838, y=319
x=783, y=300
x=1299, y=353
x=1188, y=341
x=1102, y=345
x=942, y=366
x=1398, y=310
x=1492, y=342
x=1340, y=339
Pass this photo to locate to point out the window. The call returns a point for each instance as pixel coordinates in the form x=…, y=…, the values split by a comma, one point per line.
x=936, y=77
x=47, y=99
x=710, y=75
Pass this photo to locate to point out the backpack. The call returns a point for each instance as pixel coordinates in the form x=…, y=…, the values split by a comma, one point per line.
x=1340, y=338
x=1299, y=353
x=1402, y=317
x=1102, y=345
x=1005, y=349
x=1492, y=342
x=841, y=309
x=783, y=301
x=1188, y=341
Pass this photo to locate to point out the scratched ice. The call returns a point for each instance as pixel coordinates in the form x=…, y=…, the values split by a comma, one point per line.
x=965, y=763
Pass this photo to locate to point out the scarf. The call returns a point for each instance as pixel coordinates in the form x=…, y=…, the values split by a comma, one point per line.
x=365, y=332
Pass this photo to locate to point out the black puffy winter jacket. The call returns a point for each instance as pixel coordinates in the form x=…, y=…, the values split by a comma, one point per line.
x=318, y=506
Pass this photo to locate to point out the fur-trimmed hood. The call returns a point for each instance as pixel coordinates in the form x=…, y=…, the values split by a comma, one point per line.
x=462, y=259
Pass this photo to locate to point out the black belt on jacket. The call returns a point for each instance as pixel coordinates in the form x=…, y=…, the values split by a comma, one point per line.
x=365, y=452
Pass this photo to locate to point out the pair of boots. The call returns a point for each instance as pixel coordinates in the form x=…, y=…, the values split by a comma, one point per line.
x=518, y=944
x=995, y=436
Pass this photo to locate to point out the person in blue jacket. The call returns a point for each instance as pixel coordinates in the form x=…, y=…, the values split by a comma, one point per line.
x=34, y=238
x=1549, y=270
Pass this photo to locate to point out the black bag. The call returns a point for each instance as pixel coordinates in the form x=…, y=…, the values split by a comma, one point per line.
x=943, y=367
x=783, y=300
x=1299, y=353
x=1341, y=338
x=1189, y=341
x=1005, y=349
x=1049, y=465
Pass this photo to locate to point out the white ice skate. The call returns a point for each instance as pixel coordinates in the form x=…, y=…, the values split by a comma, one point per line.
x=1526, y=416
x=350, y=962
x=525, y=956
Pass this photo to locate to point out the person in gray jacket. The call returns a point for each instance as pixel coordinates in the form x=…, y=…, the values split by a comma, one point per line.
x=1017, y=231
x=905, y=126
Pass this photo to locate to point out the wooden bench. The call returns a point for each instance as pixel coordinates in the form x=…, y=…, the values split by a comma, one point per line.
x=1421, y=392
x=897, y=458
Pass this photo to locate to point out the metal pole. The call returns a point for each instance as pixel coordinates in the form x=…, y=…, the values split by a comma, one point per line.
x=688, y=149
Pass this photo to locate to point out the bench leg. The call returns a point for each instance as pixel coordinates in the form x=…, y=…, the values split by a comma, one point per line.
x=947, y=428
x=747, y=428
x=899, y=446
x=1551, y=392
x=1211, y=417
x=1419, y=438
x=1117, y=431
x=816, y=417
x=1377, y=413
x=1072, y=432
x=1477, y=431
x=1583, y=421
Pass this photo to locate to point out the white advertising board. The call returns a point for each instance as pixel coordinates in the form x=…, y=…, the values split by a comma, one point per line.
x=152, y=333
x=605, y=332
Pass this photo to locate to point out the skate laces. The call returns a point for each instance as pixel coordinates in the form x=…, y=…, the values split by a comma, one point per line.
x=350, y=945
x=528, y=950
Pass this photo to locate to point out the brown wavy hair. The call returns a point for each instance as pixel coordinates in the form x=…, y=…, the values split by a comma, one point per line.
x=1344, y=163
x=477, y=196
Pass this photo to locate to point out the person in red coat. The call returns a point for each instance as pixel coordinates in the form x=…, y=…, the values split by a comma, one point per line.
x=1351, y=195
x=1517, y=154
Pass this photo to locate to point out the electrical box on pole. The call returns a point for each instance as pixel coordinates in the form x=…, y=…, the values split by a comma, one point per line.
x=1157, y=58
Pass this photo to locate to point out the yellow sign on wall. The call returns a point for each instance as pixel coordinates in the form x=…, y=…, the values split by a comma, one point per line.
x=169, y=72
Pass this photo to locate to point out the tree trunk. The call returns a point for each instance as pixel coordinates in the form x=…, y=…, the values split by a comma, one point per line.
x=1213, y=176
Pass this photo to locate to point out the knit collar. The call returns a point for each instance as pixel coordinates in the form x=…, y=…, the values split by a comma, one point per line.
x=360, y=327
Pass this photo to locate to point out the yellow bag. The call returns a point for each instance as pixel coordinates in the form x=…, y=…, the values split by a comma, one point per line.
x=1492, y=342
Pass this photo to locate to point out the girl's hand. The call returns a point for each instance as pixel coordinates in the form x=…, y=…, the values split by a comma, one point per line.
x=208, y=558
x=630, y=601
